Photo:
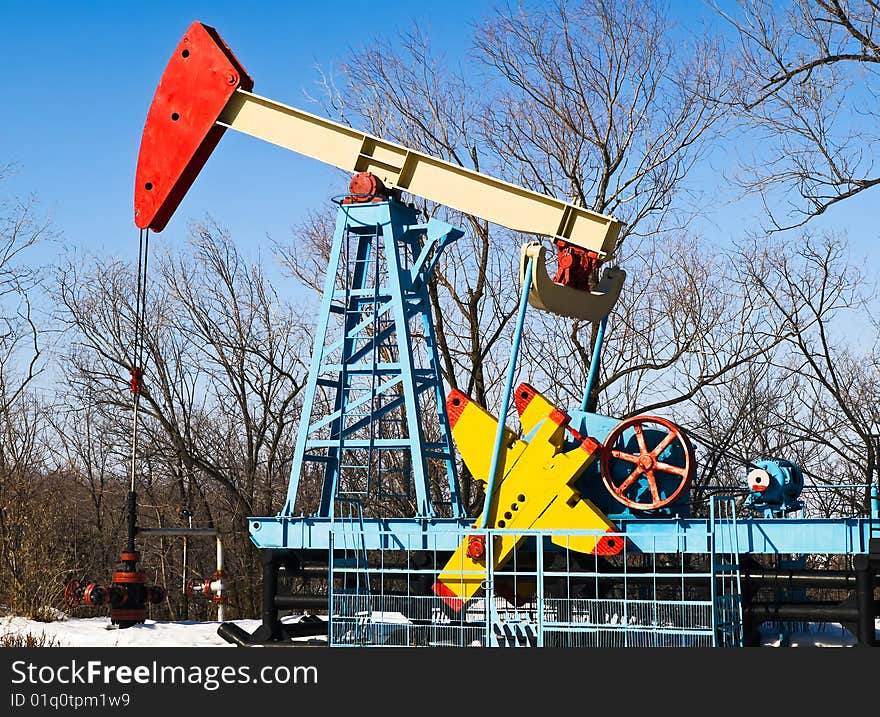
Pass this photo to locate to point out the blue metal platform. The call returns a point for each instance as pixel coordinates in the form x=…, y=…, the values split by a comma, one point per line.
x=691, y=535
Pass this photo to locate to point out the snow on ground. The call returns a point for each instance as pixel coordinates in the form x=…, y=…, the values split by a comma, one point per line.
x=98, y=632
x=815, y=635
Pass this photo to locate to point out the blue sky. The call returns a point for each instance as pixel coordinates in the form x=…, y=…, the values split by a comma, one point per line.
x=80, y=78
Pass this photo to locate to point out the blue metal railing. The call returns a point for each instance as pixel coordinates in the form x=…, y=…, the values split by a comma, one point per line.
x=726, y=585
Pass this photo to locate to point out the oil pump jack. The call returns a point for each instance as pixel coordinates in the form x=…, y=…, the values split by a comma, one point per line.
x=376, y=422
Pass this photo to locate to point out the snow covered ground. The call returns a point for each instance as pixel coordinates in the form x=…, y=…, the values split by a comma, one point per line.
x=97, y=632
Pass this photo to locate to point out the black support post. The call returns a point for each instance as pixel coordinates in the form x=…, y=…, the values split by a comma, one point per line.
x=271, y=629
x=865, y=600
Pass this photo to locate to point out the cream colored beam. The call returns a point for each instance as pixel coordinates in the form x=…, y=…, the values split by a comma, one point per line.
x=420, y=174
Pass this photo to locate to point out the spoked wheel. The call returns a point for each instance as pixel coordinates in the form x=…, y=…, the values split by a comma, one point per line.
x=72, y=594
x=624, y=465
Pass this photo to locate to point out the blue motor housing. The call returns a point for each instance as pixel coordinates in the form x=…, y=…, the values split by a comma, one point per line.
x=775, y=486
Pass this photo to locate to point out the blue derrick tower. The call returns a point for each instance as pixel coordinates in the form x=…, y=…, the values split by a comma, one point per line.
x=373, y=422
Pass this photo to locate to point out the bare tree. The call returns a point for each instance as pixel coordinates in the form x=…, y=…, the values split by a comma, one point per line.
x=21, y=229
x=809, y=398
x=809, y=73
x=687, y=321
x=601, y=103
x=223, y=372
x=25, y=489
x=838, y=387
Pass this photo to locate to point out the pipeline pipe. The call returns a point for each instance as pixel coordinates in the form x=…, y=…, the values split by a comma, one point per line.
x=793, y=578
x=184, y=560
x=798, y=579
x=505, y=402
x=301, y=602
x=234, y=634
x=814, y=611
x=594, y=364
x=177, y=532
x=217, y=586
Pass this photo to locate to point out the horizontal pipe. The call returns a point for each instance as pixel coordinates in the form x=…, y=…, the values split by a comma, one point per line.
x=814, y=611
x=171, y=532
x=631, y=578
x=791, y=579
x=287, y=602
x=322, y=570
x=794, y=579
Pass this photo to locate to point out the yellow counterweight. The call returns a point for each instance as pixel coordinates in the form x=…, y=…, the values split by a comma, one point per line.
x=535, y=489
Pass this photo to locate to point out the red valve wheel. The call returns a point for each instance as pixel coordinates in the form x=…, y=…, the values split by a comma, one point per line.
x=646, y=462
x=72, y=597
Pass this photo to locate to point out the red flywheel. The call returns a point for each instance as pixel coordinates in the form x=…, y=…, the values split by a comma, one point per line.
x=623, y=468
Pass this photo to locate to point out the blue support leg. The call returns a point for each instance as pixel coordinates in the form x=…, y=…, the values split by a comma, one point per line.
x=593, y=376
x=508, y=389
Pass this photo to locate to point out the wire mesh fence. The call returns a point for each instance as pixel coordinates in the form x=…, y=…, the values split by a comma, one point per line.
x=540, y=593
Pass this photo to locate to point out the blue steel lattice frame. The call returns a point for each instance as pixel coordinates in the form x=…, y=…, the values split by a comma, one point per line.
x=382, y=243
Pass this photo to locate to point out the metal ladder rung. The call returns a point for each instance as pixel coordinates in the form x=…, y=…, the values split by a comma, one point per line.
x=383, y=294
x=382, y=368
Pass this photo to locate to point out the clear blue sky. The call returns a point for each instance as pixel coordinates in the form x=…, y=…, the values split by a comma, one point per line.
x=80, y=78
